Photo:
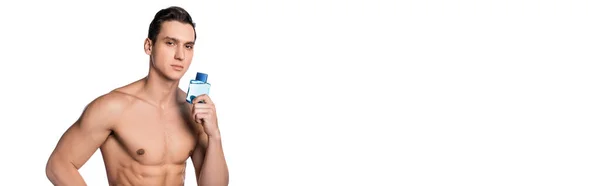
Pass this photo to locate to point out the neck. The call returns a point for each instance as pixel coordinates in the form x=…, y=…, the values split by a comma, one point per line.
x=159, y=89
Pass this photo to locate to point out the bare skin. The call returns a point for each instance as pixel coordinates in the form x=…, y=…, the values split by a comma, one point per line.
x=146, y=130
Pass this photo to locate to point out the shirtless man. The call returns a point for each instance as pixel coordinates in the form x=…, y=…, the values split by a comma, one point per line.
x=146, y=130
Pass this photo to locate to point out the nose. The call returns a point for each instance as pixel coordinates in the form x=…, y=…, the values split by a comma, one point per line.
x=179, y=54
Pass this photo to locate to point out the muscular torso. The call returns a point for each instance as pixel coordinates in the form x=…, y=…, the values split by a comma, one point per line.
x=149, y=145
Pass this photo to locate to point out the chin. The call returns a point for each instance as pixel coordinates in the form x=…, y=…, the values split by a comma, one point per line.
x=169, y=74
x=174, y=77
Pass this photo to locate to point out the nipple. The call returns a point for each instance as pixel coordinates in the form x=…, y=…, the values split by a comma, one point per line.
x=140, y=151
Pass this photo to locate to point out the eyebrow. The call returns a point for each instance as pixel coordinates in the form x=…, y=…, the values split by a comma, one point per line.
x=177, y=40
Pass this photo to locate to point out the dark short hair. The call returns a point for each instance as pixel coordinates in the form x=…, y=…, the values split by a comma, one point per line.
x=173, y=13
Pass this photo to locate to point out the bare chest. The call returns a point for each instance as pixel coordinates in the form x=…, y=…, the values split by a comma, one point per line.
x=154, y=137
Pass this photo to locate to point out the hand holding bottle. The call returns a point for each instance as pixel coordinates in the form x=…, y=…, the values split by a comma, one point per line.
x=205, y=114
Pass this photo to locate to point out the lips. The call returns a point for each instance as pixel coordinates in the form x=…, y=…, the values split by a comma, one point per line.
x=177, y=67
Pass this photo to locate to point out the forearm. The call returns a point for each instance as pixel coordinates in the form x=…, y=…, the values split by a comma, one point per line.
x=63, y=173
x=214, y=170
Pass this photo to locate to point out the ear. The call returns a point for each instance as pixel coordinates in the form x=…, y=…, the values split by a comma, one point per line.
x=148, y=46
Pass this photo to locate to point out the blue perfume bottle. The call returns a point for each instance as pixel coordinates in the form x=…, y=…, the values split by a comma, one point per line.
x=198, y=87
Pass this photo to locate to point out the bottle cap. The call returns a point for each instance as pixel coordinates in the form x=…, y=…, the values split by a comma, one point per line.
x=201, y=76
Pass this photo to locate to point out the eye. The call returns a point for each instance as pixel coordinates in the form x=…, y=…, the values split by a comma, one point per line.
x=189, y=46
x=170, y=43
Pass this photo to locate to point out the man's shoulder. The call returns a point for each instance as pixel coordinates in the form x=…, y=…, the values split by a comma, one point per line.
x=111, y=102
x=104, y=110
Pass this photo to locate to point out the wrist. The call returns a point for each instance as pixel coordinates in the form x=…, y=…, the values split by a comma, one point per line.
x=214, y=135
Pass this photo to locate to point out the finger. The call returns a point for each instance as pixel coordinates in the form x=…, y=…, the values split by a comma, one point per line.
x=197, y=99
x=202, y=105
x=199, y=120
x=205, y=98
x=203, y=111
x=200, y=116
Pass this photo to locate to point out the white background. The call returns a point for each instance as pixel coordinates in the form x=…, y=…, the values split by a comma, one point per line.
x=330, y=92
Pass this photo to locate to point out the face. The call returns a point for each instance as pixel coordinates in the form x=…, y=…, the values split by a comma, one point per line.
x=172, y=52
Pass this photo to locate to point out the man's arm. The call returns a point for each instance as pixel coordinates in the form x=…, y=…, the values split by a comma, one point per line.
x=209, y=162
x=81, y=140
x=208, y=158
